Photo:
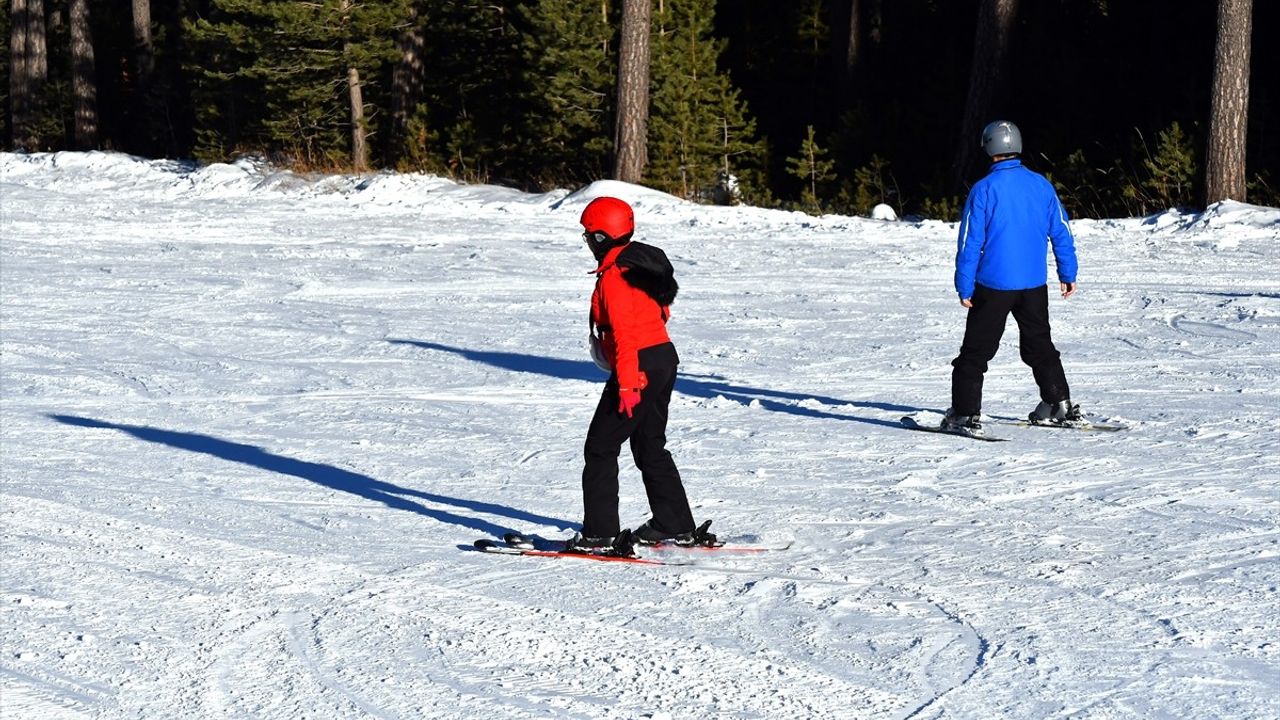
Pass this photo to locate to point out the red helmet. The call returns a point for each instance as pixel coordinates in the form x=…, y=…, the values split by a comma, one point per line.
x=610, y=216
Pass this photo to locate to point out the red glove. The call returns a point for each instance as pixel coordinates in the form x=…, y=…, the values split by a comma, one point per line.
x=628, y=400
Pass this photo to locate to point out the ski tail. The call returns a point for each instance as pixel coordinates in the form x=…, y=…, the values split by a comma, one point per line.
x=912, y=424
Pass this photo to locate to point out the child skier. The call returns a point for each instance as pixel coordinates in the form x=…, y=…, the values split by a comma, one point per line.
x=630, y=307
x=1009, y=218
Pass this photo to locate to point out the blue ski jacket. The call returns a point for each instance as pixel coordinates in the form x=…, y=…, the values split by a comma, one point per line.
x=1011, y=216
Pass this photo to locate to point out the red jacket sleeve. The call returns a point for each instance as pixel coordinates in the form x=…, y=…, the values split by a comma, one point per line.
x=624, y=325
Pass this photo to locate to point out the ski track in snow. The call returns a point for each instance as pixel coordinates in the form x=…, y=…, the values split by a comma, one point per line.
x=252, y=421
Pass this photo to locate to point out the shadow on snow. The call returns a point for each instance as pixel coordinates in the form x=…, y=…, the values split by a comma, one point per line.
x=700, y=386
x=329, y=476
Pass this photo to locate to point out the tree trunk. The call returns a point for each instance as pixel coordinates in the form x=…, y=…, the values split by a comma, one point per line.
x=28, y=70
x=875, y=24
x=846, y=46
x=19, y=78
x=631, y=131
x=143, y=68
x=1229, y=109
x=359, y=146
x=38, y=53
x=986, y=80
x=83, y=80
x=406, y=85
x=144, y=62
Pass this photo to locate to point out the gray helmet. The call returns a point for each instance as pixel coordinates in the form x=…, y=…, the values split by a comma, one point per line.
x=1001, y=138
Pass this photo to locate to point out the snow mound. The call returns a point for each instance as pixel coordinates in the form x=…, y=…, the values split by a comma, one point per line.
x=1248, y=224
x=249, y=177
x=883, y=212
x=634, y=195
x=414, y=189
x=1240, y=215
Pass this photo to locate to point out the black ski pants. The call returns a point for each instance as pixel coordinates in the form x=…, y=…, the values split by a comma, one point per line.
x=982, y=332
x=647, y=431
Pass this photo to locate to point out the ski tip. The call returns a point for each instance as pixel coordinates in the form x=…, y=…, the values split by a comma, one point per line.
x=484, y=544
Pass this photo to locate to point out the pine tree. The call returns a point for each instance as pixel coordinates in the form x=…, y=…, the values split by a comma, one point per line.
x=872, y=185
x=405, y=149
x=289, y=71
x=813, y=167
x=1170, y=171
x=472, y=105
x=700, y=134
x=569, y=82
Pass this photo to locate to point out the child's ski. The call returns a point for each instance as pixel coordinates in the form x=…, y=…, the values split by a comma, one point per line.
x=703, y=541
x=489, y=546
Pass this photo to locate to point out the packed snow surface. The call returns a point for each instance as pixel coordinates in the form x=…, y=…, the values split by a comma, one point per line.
x=253, y=421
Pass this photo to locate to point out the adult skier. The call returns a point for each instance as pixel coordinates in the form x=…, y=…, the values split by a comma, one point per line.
x=630, y=307
x=1009, y=218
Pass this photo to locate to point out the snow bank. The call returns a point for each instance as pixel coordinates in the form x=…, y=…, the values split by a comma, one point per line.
x=252, y=421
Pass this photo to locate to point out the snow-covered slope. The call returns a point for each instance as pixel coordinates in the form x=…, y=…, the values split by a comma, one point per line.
x=252, y=421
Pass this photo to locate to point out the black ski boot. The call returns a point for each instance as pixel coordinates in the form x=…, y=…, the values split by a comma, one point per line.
x=1063, y=412
x=648, y=534
x=966, y=424
x=620, y=545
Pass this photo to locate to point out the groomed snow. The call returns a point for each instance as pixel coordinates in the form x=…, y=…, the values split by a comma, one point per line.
x=252, y=422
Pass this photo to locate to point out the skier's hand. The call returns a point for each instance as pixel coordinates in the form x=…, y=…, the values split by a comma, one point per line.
x=1068, y=289
x=966, y=302
x=627, y=401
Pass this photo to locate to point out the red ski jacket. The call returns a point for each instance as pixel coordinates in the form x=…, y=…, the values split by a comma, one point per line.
x=628, y=320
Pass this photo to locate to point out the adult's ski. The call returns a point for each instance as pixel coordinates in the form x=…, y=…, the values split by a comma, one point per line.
x=1086, y=426
x=912, y=424
x=724, y=547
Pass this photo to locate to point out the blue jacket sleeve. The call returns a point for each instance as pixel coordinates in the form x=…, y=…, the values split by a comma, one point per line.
x=1064, y=245
x=973, y=235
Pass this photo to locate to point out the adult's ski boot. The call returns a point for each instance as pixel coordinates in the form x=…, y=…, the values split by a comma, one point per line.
x=1063, y=412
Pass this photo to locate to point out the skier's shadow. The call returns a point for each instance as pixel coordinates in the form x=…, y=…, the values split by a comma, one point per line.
x=329, y=476
x=700, y=386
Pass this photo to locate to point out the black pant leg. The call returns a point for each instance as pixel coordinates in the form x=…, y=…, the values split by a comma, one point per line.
x=646, y=430
x=662, y=484
x=1035, y=344
x=609, y=429
x=982, y=331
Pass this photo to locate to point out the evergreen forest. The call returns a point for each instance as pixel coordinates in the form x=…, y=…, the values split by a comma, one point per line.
x=817, y=105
